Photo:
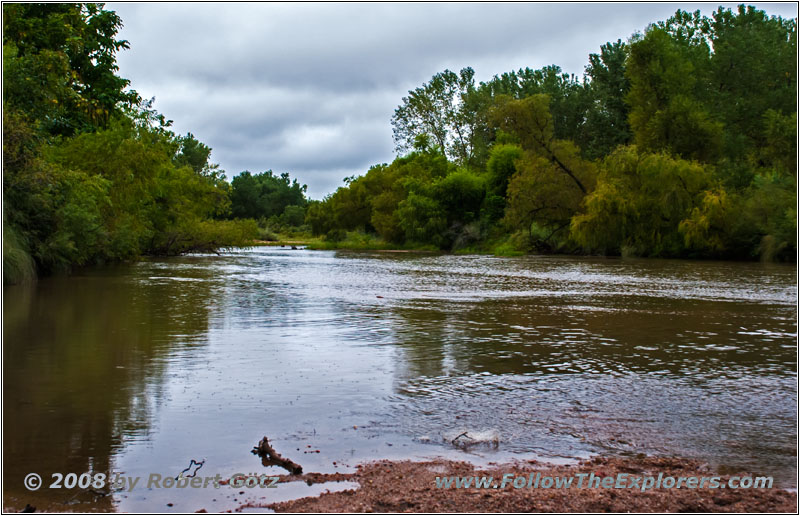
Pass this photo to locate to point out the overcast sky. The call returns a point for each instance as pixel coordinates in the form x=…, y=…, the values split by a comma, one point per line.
x=310, y=89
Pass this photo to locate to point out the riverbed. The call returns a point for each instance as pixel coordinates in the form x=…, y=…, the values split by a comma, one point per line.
x=344, y=357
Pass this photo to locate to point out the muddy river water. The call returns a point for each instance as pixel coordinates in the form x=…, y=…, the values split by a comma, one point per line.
x=344, y=357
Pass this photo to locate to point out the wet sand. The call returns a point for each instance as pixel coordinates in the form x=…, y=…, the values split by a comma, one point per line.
x=410, y=487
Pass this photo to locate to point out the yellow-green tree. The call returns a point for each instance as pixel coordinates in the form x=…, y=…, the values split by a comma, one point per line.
x=640, y=202
x=551, y=177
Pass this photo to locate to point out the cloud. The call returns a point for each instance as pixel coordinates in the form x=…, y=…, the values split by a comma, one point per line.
x=310, y=88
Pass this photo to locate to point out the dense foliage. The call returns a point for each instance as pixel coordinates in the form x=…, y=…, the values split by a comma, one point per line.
x=91, y=172
x=679, y=142
x=267, y=195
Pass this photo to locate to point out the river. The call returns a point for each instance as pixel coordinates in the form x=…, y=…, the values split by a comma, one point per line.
x=343, y=357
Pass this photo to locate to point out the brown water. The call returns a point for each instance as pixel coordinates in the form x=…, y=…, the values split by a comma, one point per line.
x=140, y=368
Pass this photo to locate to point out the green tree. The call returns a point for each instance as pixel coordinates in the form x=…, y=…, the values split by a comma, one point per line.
x=293, y=215
x=264, y=195
x=386, y=189
x=779, y=150
x=422, y=219
x=91, y=172
x=193, y=153
x=666, y=112
x=319, y=216
x=351, y=206
x=443, y=110
x=568, y=99
x=551, y=179
x=766, y=219
x=460, y=194
x=60, y=66
x=530, y=121
x=753, y=69
x=606, y=125
x=501, y=167
x=196, y=155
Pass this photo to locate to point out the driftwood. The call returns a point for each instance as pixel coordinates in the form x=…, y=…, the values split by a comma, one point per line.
x=459, y=437
x=473, y=440
x=269, y=457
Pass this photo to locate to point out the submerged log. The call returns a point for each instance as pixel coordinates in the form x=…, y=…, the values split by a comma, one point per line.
x=269, y=457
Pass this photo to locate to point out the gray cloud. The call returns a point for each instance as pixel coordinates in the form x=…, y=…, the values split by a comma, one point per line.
x=310, y=88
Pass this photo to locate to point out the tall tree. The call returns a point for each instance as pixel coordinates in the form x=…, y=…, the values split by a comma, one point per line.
x=667, y=112
x=753, y=69
x=443, y=110
x=607, y=116
x=568, y=100
x=60, y=65
x=551, y=179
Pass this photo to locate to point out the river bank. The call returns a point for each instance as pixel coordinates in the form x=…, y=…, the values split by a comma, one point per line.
x=404, y=486
x=352, y=243
x=409, y=486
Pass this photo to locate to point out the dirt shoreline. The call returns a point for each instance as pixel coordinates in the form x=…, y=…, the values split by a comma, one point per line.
x=406, y=486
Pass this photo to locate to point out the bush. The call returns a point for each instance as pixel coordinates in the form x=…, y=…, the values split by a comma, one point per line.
x=18, y=266
x=267, y=234
x=335, y=235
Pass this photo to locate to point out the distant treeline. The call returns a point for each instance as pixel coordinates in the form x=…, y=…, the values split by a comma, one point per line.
x=680, y=142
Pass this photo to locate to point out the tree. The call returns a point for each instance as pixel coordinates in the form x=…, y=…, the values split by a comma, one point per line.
x=529, y=119
x=388, y=186
x=193, y=153
x=551, y=179
x=501, y=167
x=386, y=190
x=666, y=111
x=422, y=219
x=60, y=65
x=152, y=205
x=753, y=69
x=91, y=172
x=607, y=117
x=351, y=206
x=640, y=202
x=264, y=195
x=706, y=228
x=460, y=194
x=567, y=96
x=442, y=110
x=542, y=199
x=319, y=216
x=766, y=218
x=293, y=215
x=779, y=150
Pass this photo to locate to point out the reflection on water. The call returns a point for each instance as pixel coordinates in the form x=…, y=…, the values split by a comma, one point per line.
x=85, y=361
x=142, y=368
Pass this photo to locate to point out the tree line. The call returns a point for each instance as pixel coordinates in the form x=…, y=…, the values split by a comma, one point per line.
x=91, y=172
x=679, y=142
